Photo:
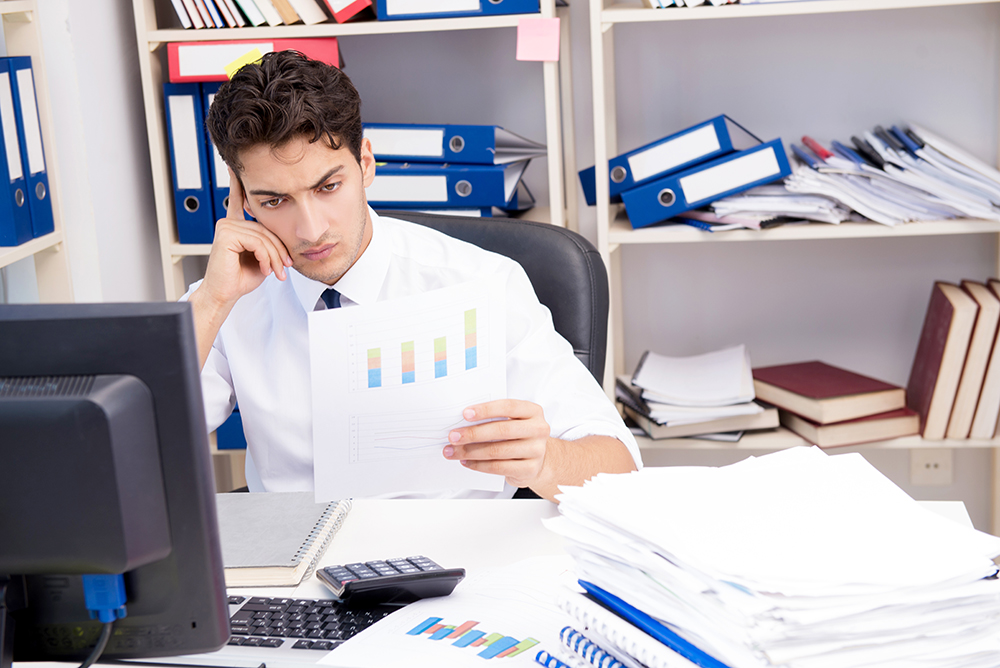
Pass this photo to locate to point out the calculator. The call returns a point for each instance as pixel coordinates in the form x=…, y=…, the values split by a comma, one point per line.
x=401, y=580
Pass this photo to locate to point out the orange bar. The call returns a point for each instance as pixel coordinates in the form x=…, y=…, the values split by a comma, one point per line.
x=434, y=629
x=460, y=631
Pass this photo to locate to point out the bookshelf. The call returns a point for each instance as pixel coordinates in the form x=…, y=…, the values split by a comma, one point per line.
x=22, y=37
x=151, y=15
x=614, y=233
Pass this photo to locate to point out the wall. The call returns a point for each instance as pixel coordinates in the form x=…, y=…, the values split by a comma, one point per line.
x=855, y=303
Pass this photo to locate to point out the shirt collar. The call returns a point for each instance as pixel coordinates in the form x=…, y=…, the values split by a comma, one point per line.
x=362, y=283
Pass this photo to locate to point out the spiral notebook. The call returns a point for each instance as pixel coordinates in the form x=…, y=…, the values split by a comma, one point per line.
x=275, y=539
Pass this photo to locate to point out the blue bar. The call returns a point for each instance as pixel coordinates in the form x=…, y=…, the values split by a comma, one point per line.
x=469, y=638
x=498, y=646
x=374, y=377
x=423, y=626
x=470, y=358
x=409, y=376
x=441, y=368
x=443, y=633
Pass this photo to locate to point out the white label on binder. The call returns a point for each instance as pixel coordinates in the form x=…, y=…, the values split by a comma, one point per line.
x=184, y=130
x=675, y=152
x=716, y=180
x=29, y=116
x=392, y=188
x=430, y=6
x=10, y=128
x=221, y=168
x=199, y=60
x=426, y=143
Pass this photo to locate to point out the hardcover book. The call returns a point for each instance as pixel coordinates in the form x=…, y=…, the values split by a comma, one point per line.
x=880, y=427
x=825, y=393
x=984, y=332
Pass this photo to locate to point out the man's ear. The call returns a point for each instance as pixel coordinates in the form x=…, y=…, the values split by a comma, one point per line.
x=367, y=162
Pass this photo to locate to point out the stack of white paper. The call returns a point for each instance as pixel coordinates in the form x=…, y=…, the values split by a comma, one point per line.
x=699, y=388
x=794, y=559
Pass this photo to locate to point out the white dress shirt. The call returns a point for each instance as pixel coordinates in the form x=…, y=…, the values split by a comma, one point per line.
x=261, y=355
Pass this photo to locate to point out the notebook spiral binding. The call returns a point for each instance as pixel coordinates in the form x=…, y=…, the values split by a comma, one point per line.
x=588, y=650
x=322, y=533
x=621, y=641
x=549, y=661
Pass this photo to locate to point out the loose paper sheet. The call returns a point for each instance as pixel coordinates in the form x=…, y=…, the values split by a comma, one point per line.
x=390, y=381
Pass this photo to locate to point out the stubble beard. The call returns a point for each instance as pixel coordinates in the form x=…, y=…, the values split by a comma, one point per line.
x=332, y=274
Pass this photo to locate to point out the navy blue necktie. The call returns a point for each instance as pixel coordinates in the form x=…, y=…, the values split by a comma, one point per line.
x=331, y=298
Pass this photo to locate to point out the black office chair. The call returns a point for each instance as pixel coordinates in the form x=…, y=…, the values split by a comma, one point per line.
x=565, y=269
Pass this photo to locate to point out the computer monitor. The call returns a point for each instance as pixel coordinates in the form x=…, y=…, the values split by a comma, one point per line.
x=126, y=458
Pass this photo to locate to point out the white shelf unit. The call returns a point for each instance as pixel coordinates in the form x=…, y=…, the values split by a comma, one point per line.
x=23, y=38
x=557, y=93
x=614, y=230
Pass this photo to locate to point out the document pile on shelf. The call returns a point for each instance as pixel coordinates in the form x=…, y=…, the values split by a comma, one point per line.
x=712, y=393
x=898, y=175
x=661, y=4
x=795, y=559
x=688, y=170
x=450, y=169
x=244, y=13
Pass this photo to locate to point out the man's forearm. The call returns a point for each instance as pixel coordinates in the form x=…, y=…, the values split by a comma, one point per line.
x=208, y=318
x=575, y=462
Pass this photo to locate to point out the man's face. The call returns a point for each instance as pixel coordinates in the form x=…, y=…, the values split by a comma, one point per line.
x=312, y=197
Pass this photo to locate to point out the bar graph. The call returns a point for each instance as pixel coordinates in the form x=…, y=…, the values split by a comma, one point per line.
x=465, y=635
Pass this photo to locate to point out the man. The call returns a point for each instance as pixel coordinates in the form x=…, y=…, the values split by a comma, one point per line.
x=290, y=130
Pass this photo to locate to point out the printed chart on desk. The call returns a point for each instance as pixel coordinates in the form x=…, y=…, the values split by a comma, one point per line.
x=390, y=381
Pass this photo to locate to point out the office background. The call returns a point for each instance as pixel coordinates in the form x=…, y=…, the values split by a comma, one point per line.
x=856, y=303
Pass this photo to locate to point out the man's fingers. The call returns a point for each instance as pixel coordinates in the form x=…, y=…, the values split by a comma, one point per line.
x=506, y=450
x=507, y=408
x=234, y=210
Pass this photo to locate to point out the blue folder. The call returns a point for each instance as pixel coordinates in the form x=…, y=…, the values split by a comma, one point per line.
x=652, y=626
x=218, y=172
x=401, y=184
x=393, y=10
x=469, y=144
x=189, y=163
x=15, y=217
x=666, y=197
x=29, y=132
x=673, y=153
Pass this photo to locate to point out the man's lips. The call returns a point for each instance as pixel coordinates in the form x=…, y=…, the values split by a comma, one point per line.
x=319, y=253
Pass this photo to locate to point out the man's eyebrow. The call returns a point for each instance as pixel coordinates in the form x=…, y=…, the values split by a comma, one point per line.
x=325, y=177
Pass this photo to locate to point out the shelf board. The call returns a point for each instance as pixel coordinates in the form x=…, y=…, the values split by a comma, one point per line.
x=337, y=29
x=621, y=232
x=629, y=13
x=781, y=438
x=17, y=7
x=10, y=255
x=189, y=250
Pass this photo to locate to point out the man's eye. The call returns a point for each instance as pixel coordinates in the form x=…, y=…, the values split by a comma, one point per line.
x=271, y=203
x=330, y=187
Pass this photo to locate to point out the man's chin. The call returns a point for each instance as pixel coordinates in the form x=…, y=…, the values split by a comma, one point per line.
x=313, y=272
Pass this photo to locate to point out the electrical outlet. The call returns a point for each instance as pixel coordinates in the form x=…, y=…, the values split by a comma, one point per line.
x=932, y=466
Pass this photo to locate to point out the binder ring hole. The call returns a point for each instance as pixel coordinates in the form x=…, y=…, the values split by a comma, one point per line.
x=191, y=204
x=40, y=190
x=495, y=2
x=19, y=197
x=666, y=197
x=618, y=174
x=456, y=144
x=463, y=188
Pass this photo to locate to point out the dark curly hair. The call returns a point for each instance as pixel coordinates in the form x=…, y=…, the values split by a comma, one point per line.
x=283, y=96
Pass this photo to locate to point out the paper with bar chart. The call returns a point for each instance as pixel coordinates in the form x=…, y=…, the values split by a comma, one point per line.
x=495, y=617
x=390, y=381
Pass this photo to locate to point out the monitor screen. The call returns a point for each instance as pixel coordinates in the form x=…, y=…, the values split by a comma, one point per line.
x=141, y=361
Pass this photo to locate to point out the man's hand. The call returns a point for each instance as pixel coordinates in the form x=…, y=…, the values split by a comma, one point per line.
x=243, y=254
x=517, y=445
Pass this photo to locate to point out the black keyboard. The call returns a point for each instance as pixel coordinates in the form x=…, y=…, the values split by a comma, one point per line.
x=297, y=624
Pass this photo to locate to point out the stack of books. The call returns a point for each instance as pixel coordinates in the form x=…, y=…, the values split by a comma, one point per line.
x=829, y=406
x=796, y=559
x=689, y=169
x=709, y=395
x=955, y=380
x=448, y=168
x=243, y=13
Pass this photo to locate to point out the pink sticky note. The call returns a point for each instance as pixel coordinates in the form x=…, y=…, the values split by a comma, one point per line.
x=538, y=39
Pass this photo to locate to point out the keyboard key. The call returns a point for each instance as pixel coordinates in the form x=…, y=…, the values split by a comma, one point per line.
x=303, y=644
x=236, y=600
x=272, y=642
x=235, y=640
x=323, y=644
x=253, y=642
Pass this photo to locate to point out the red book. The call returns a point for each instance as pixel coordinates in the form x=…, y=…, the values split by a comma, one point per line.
x=345, y=10
x=940, y=357
x=880, y=427
x=206, y=61
x=824, y=393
